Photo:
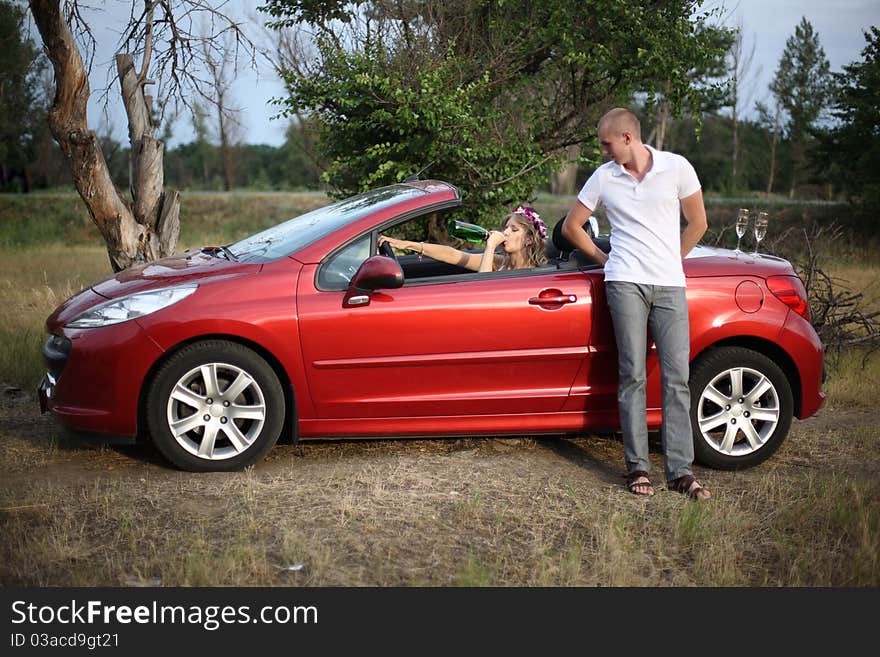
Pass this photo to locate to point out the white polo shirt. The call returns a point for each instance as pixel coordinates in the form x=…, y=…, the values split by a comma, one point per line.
x=645, y=217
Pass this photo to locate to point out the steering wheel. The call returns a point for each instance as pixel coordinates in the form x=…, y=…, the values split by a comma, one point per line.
x=386, y=250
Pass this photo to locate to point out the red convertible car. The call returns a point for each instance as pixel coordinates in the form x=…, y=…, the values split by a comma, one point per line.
x=305, y=330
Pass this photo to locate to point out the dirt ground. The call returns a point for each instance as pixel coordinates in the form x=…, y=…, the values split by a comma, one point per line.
x=463, y=511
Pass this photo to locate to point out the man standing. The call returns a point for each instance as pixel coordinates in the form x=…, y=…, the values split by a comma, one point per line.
x=644, y=192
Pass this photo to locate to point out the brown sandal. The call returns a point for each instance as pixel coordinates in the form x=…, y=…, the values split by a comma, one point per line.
x=688, y=485
x=632, y=483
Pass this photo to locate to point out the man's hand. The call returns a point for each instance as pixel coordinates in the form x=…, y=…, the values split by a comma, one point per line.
x=695, y=214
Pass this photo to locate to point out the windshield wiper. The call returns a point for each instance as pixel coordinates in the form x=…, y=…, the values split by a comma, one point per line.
x=227, y=253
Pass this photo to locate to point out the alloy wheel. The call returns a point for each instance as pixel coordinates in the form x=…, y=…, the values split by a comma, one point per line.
x=216, y=411
x=738, y=411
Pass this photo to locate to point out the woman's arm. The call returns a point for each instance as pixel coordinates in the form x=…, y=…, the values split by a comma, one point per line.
x=439, y=252
x=487, y=260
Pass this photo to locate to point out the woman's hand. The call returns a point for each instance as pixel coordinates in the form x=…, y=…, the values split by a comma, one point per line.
x=402, y=245
x=494, y=239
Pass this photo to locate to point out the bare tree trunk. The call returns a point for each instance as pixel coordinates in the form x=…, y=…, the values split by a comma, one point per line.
x=663, y=118
x=436, y=231
x=773, y=150
x=563, y=182
x=226, y=121
x=797, y=158
x=733, y=172
x=154, y=208
x=133, y=235
x=225, y=152
x=739, y=69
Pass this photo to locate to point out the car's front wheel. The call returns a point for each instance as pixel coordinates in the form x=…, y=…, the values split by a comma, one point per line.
x=741, y=408
x=215, y=406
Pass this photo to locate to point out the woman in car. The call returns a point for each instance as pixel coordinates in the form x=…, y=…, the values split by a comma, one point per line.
x=523, y=237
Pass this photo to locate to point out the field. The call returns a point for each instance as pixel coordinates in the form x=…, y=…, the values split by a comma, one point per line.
x=524, y=511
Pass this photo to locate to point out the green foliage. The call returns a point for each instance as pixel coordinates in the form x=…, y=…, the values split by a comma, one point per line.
x=485, y=94
x=291, y=12
x=198, y=165
x=709, y=152
x=707, y=90
x=22, y=111
x=378, y=130
x=801, y=84
x=850, y=151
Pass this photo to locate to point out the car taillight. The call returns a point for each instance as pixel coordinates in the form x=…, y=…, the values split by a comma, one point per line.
x=790, y=291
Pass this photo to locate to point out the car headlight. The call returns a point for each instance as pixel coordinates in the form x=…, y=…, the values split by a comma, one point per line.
x=131, y=307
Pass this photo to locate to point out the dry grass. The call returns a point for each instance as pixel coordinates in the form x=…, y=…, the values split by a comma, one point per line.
x=526, y=512
x=854, y=376
x=33, y=282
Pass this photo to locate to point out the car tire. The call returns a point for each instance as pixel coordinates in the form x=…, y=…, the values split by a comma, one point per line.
x=741, y=408
x=215, y=406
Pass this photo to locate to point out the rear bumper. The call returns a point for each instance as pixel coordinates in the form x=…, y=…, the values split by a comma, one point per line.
x=805, y=348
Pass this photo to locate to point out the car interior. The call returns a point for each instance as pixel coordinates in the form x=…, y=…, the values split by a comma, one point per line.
x=431, y=228
x=338, y=269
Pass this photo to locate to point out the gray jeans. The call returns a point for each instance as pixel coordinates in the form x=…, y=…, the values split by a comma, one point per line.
x=633, y=308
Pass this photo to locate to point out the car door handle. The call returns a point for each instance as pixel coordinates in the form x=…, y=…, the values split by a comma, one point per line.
x=553, y=300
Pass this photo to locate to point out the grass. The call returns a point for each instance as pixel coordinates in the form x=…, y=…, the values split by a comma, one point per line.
x=854, y=380
x=468, y=512
x=33, y=282
x=36, y=220
x=764, y=528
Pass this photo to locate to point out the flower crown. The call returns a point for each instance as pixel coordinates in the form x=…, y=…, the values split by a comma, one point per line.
x=534, y=217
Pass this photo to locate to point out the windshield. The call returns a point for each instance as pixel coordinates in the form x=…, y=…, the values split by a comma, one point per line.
x=290, y=236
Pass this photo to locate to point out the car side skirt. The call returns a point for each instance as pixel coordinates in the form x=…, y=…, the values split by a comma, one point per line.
x=549, y=423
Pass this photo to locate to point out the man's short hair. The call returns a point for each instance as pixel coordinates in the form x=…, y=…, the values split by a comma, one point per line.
x=621, y=119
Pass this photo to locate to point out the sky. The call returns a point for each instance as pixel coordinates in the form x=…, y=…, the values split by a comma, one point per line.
x=769, y=23
x=766, y=24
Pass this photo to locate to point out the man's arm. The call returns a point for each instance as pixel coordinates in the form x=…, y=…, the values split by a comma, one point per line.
x=695, y=215
x=573, y=230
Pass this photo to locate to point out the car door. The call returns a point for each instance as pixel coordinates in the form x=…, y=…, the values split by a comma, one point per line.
x=476, y=344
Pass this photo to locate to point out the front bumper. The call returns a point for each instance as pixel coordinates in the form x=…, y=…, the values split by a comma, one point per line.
x=94, y=379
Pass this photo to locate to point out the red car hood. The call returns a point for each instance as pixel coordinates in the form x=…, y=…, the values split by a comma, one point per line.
x=188, y=267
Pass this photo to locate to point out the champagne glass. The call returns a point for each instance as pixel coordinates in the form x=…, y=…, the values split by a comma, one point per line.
x=742, y=223
x=760, y=230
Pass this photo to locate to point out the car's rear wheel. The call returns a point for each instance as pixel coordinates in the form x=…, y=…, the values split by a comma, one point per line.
x=741, y=408
x=215, y=406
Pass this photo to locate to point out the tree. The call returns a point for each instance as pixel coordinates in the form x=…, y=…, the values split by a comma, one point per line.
x=850, y=151
x=708, y=90
x=221, y=70
x=489, y=95
x=740, y=63
x=147, y=226
x=800, y=88
x=771, y=121
x=22, y=104
x=202, y=144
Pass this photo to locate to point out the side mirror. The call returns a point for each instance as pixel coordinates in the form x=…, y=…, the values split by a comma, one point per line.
x=376, y=273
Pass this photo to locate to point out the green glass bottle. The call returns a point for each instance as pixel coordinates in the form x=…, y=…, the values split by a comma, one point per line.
x=466, y=231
